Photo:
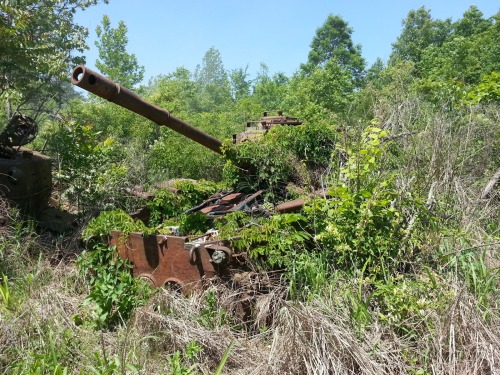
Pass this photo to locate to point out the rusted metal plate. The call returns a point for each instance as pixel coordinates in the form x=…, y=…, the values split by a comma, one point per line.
x=209, y=209
x=26, y=180
x=230, y=198
x=224, y=202
x=166, y=260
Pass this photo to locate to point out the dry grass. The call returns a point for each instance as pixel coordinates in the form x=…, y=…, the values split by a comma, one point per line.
x=319, y=338
x=284, y=337
x=175, y=328
x=269, y=333
x=463, y=342
x=43, y=313
x=316, y=339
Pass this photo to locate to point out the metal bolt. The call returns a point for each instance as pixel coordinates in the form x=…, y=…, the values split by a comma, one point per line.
x=219, y=256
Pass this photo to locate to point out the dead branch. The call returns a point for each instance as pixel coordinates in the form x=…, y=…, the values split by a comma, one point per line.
x=490, y=185
x=400, y=135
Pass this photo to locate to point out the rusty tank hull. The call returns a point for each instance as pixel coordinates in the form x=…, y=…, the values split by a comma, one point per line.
x=162, y=260
x=26, y=180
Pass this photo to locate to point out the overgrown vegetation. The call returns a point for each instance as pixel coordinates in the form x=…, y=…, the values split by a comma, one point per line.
x=391, y=266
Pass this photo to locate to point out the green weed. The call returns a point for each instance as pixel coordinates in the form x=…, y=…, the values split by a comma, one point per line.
x=182, y=363
x=47, y=360
x=107, y=221
x=112, y=365
x=5, y=295
x=114, y=292
x=167, y=204
x=211, y=316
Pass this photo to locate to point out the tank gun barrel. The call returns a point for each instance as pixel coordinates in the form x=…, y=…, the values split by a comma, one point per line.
x=105, y=88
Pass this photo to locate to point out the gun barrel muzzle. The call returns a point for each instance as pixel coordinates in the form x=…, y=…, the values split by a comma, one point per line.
x=105, y=88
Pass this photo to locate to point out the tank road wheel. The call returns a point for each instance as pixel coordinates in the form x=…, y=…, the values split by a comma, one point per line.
x=174, y=285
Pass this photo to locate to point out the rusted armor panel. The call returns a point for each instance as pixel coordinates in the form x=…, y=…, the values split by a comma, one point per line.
x=290, y=206
x=172, y=260
x=26, y=180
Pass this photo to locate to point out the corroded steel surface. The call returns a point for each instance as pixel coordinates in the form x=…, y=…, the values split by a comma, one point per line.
x=25, y=175
x=223, y=203
x=26, y=180
x=20, y=131
x=290, y=206
x=172, y=260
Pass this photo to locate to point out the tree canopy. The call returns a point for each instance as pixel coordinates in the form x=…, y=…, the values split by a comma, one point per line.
x=332, y=41
x=39, y=43
x=420, y=31
x=114, y=60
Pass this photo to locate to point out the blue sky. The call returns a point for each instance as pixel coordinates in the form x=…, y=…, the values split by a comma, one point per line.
x=166, y=34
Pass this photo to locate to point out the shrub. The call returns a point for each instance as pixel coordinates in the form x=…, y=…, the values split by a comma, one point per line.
x=297, y=154
x=107, y=221
x=366, y=223
x=114, y=292
x=88, y=167
x=167, y=204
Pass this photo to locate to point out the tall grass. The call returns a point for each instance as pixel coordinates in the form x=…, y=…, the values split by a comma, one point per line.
x=439, y=315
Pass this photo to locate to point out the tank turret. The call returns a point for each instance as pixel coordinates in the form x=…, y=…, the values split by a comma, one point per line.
x=256, y=129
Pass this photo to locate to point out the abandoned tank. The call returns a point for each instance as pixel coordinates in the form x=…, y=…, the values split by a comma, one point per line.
x=25, y=175
x=169, y=259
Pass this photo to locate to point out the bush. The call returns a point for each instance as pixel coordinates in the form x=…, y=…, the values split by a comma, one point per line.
x=88, y=165
x=287, y=154
x=114, y=292
x=367, y=223
x=107, y=221
x=167, y=204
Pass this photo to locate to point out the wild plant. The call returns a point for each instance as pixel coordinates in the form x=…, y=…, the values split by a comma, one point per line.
x=113, y=292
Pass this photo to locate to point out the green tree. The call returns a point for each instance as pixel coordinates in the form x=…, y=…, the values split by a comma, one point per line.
x=471, y=23
x=465, y=56
x=240, y=84
x=326, y=90
x=456, y=59
x=420, y=31
x=174, y=91
x=39, y=43
x=333, y=42
x=212, y=78
x=211, y=69
x=447, y=70
x=488, y=44
x=115, y=62
x=270, y=91
x=374, y=73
